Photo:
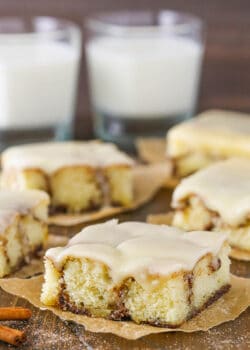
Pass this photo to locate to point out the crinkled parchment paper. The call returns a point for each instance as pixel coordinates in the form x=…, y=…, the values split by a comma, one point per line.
x=148, y=179
x=166, y=219
x=153, y=151
x=227, y=308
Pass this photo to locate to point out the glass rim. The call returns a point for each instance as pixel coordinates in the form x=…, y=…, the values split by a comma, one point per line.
x=99, y=22
x=55, y=26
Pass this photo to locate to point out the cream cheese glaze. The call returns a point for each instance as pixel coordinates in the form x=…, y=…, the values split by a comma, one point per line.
x=224, y=187
x=52, y=156
x=135, y=249
x=221, y=133
x=13, y=203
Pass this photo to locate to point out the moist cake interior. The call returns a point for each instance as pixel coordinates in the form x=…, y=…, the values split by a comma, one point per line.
x=147, y=273
x=79, y=176
x=23, y=227
x=216, y=198
x=207, y=138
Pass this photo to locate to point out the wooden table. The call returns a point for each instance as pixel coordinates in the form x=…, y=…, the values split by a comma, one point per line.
x=46, y=331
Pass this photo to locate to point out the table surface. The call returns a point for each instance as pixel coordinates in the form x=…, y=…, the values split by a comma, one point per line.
x=46, y=331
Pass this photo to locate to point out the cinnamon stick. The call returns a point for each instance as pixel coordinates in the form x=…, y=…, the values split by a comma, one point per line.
x=14, y=313
x=12, y=336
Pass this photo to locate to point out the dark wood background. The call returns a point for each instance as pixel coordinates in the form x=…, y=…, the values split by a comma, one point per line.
x=226, y=73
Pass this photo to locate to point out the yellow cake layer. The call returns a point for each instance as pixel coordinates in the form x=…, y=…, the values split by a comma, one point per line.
x=207, y=138
x=147, y=273
x=191, y=162
x=75, y=189
x=90, y=175
x=85, y=286
x=195, y=216
x=23, y=232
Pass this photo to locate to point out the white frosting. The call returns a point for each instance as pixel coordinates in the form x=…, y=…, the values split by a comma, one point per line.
x=135, y=249
x=223, y=187
x=216, y=132
x=224, y=122
x=52, y=156
x=13, y=203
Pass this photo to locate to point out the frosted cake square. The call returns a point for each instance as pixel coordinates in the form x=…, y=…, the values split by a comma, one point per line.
x=216, y=198
x=23, y=228
x=78, y=176
x=211, y=136
x=136, y=271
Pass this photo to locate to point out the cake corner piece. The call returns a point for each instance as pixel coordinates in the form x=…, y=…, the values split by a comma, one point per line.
x=23, y=227
x=193, y=144
x=216, y=198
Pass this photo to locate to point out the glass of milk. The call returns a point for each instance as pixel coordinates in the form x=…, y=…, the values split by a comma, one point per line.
x=144, y=71
x=39, y=60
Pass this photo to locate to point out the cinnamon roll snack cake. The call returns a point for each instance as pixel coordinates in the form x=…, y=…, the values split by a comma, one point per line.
x=23, y=228
x=78, y=175
x=146, y=273
x=211, y=136
x=216, y=198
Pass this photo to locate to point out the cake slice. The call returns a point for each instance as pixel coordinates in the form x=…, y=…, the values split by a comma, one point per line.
x=218, y=199
x=23, y=228
x=146, y=273
x=78, y=176
x=211, y=136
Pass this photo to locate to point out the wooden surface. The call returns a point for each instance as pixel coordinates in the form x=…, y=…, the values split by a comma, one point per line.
x=46, y=331
x=226, y=73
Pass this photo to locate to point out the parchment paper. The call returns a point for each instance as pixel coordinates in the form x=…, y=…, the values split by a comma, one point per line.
x=153, y=151
x=227, y=308
x=166, y=219
x=148, y=179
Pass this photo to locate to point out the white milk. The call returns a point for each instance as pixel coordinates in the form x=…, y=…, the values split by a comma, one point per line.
x=37, y=84
x=133, y=78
